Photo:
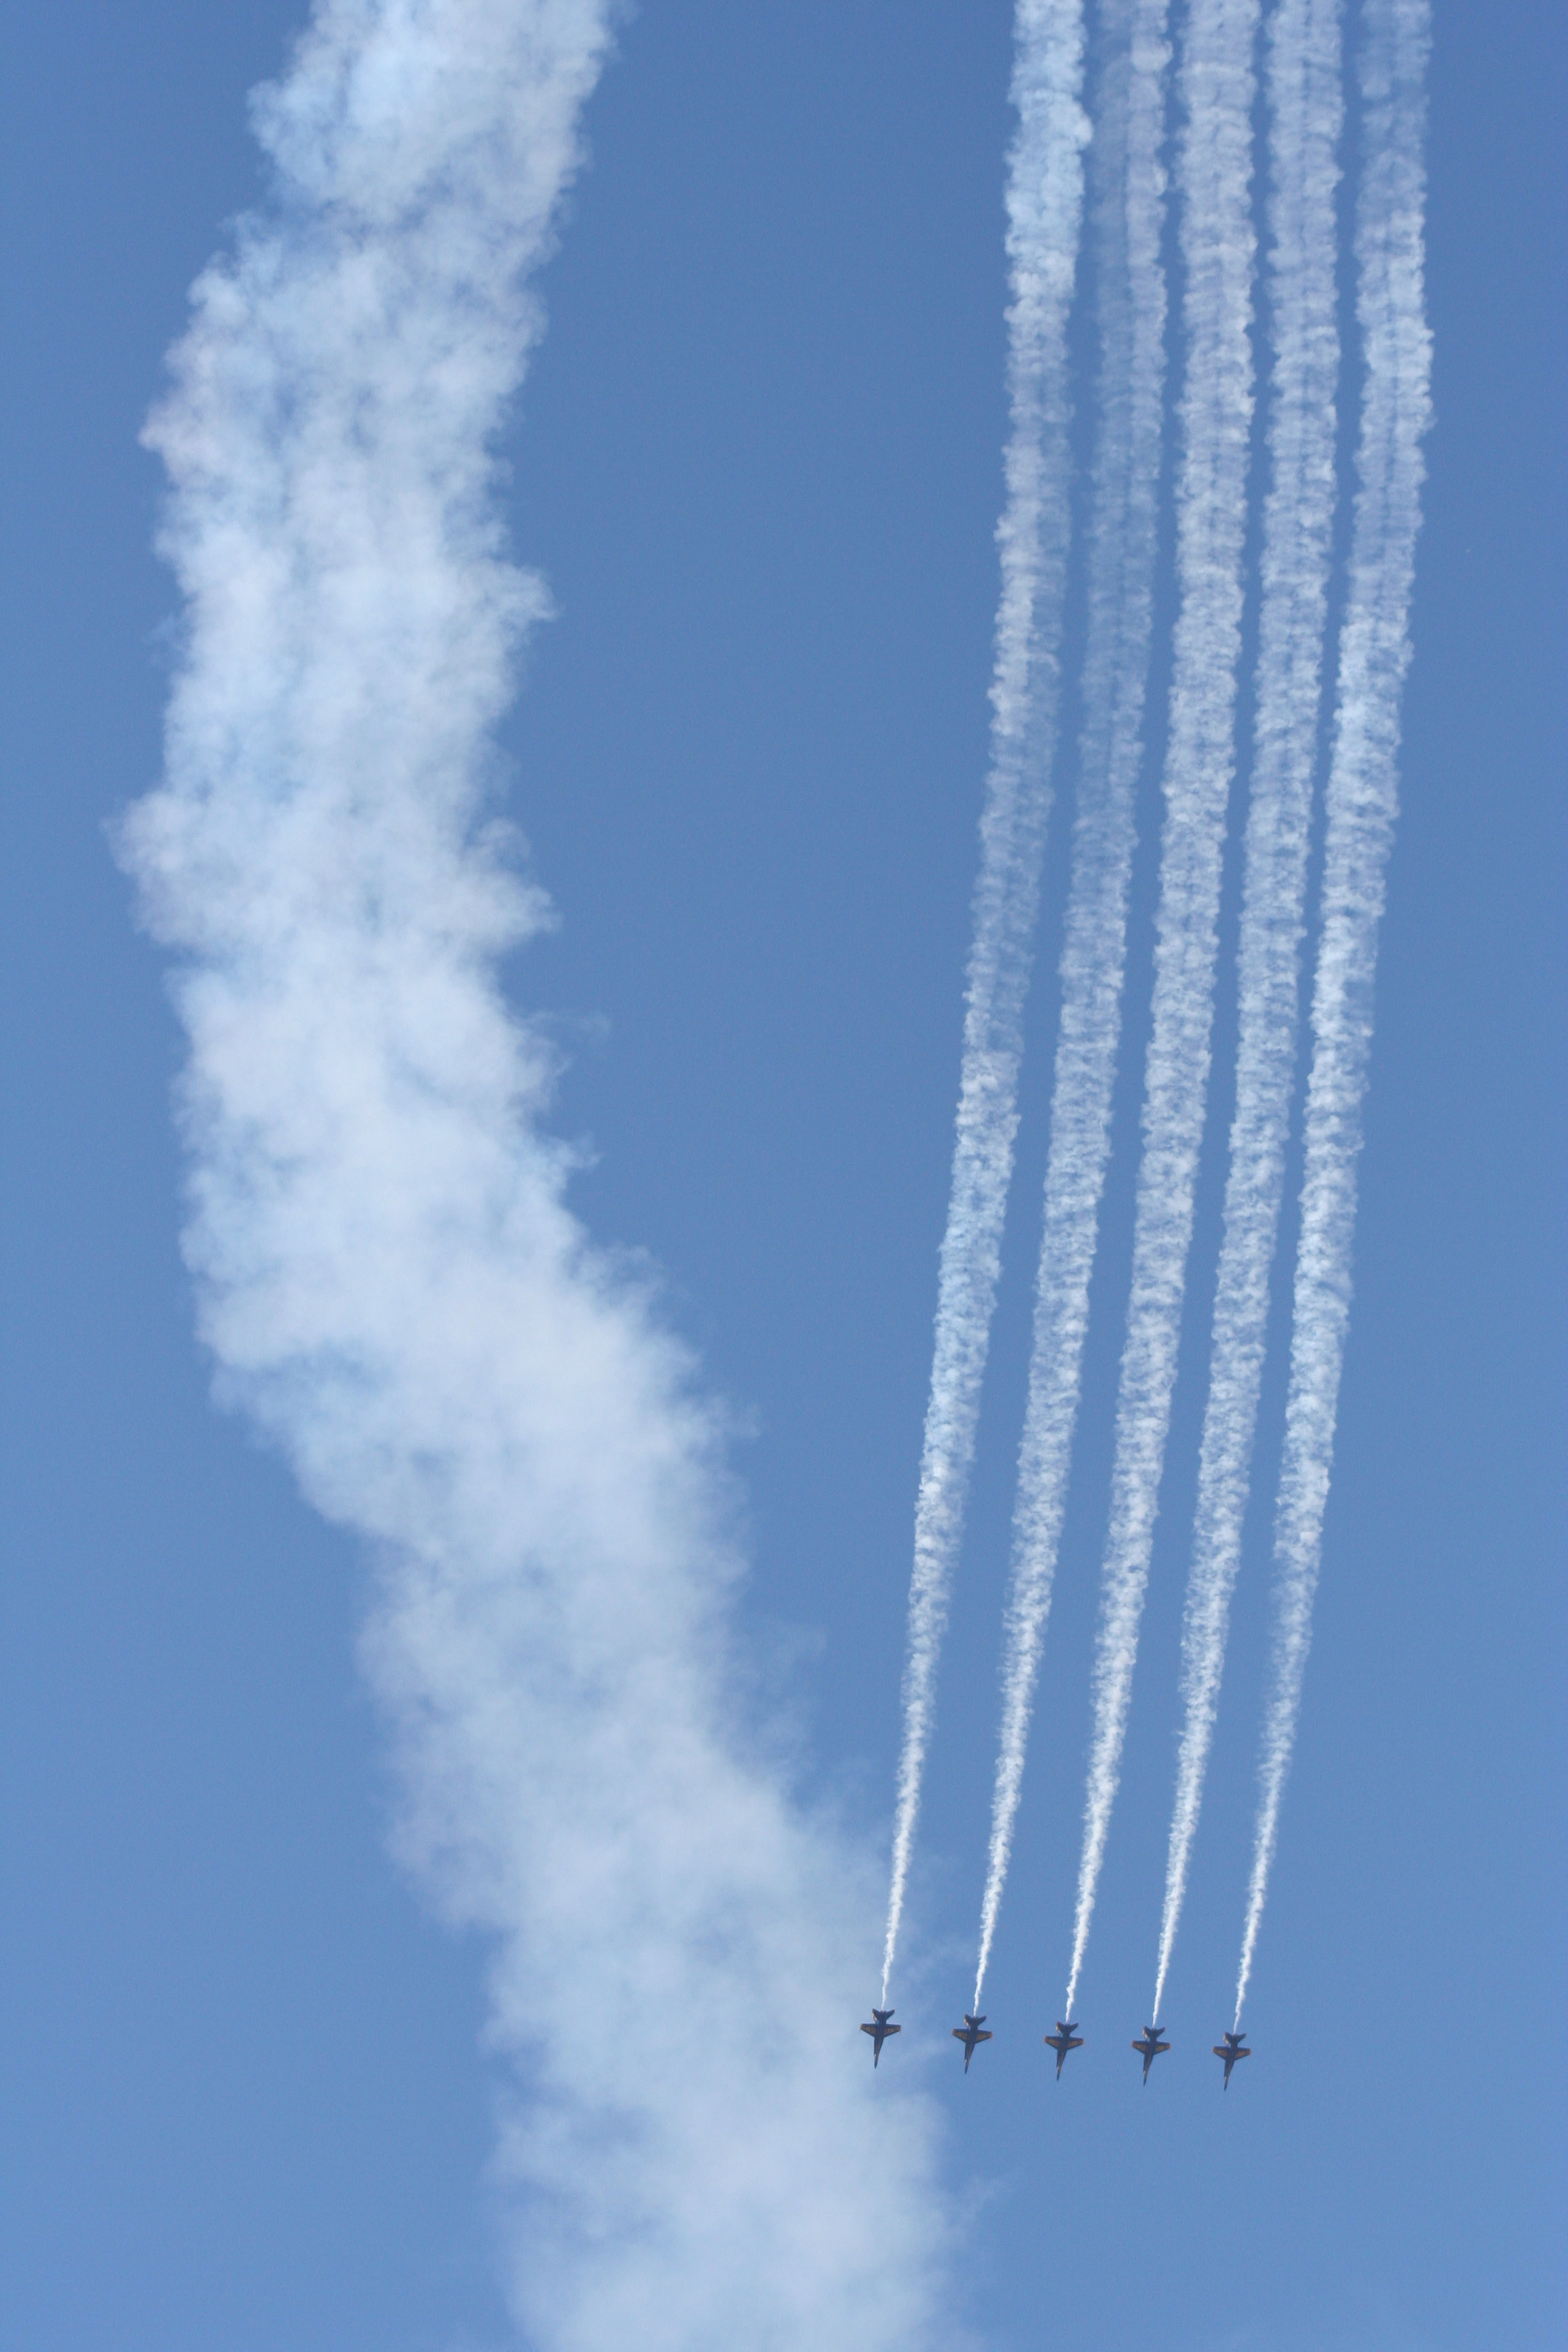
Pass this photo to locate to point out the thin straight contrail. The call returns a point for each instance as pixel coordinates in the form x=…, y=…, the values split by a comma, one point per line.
x=1363, y=799
x=1044, y=204
x=1215, y=82
x=1129, y=209
x=1306, y=109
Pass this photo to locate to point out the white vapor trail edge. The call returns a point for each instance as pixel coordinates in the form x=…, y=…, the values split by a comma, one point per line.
x=1306, y=106
x=1215, y=83
x=1362, y=800
x=1044, y=204
x=1130, y=186
x=390, y=1279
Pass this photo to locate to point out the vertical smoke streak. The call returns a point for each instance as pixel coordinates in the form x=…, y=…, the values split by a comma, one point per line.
x=1129, y=218
x=1306, y=109
x=1215, y=82
x=390, y=1278
x=1362, y=800
x=1045, y=202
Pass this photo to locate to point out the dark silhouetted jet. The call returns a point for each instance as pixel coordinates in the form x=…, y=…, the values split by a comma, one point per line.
x=1064, y=2038
x=1230, y=2049
x=879, y=2030
x=969, y=2033
x=1149, y=2049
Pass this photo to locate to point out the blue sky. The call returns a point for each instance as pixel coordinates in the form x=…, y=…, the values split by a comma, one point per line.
x=758, y=459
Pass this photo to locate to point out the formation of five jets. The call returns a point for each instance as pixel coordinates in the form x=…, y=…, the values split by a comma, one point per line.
x=974, y=2032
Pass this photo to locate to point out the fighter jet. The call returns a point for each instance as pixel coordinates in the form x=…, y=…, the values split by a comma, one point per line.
x=879, y=2030
x=1230, y=2049
x=969, y=2033
x=1149, y=2049
x=1064, y=2039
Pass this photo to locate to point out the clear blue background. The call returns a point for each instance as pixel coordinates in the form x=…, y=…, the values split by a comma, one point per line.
x=759, y=461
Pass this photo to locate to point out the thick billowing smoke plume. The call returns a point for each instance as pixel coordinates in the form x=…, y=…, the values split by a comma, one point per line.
x=1363, y=798
x=1045, y=204
x=1215, y=168
x=1128, y=184
x=1305, y=112
x=390, y=1281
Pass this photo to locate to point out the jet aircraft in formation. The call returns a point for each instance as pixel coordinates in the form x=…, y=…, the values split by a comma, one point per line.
x=1230, y=2049
x=1148, y=2048
x=1064, y=2038
x=879, y=2030
x=970, y=2034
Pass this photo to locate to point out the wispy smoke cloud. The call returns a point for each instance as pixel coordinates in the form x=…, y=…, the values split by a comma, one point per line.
x=1363, y=797
x=1129, y=217
x=390, y=1280
x=1216, y=87
x=1306, y=113
x=1045, y=200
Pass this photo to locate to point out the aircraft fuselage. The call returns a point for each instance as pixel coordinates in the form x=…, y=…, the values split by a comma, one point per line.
x=971, y=2034
x=1149, y=2046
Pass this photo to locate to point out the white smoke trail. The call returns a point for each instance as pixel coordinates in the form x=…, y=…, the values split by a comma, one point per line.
x=390, y=1280
x=1213, y=167
x=1045, y=203
x=1306, y=109
x=1363, y=799
x=1130, y=215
